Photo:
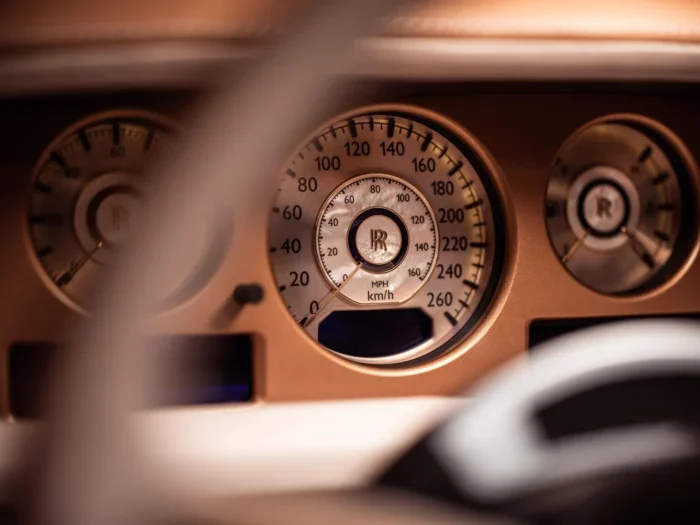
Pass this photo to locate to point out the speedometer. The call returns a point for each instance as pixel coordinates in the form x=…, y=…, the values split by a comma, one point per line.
x=387, y=236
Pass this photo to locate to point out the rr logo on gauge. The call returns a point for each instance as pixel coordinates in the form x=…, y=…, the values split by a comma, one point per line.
x=378, y=239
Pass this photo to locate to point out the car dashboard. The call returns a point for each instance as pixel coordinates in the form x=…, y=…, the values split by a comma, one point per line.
x=480, y=186
x=530, y=209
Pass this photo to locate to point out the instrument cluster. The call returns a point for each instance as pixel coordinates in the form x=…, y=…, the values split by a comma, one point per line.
x=393, y=234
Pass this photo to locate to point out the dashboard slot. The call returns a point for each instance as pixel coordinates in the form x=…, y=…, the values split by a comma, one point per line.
x=542, y=330
x=216, y=369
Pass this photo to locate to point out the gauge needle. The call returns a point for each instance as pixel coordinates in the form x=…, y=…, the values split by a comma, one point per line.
x=568, y=255
x=328, y=298
x=76, y=266
x=639, y=248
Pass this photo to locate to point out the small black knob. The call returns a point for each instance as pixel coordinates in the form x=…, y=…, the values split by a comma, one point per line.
x=248, y=294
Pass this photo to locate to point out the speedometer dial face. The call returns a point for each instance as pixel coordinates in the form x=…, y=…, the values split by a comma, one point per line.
x=386, y=237
x=362, y=231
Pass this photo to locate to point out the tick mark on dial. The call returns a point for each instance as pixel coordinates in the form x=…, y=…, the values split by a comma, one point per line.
x=426, y=142
x=84, y=141
x=450, y=318
x=51, y=219
x=645, y=154
x=291, y=173
x=470, y=284
x=455, y=168
x=317, y=145
x=353, y=128
x=150, y=136
x=474, y=204
x=116, y=134
x=58, y=159
x=390, y=127
x=660, y=178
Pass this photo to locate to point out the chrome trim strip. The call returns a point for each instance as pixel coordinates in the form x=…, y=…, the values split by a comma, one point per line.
x=193, y=64
x=526, y=59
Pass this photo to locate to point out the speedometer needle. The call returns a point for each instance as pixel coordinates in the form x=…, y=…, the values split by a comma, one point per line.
x=329, y=297
x=568, y=255
x=76, y=266
x=639, y=248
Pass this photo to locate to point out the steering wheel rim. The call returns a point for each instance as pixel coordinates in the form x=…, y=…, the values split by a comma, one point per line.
x=108, y=374
x=496, y=451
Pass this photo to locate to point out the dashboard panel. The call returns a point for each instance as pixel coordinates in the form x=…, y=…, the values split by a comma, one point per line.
x=512, y=135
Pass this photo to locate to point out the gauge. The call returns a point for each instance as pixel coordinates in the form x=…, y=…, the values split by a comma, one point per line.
x=386, y=238
x=619, y=205
x=87, y=192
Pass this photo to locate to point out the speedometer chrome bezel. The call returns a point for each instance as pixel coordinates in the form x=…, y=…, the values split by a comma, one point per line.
x=502, y=256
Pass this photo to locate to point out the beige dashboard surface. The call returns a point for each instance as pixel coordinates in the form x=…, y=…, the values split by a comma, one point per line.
x=328, y=444
x=220, y=452
x=40, y=22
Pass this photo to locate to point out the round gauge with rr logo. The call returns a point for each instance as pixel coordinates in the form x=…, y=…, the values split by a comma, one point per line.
x=86, y=198
x=387, y=237
x=620, y=204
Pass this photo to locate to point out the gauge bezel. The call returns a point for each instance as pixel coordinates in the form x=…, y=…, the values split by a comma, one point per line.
x=687, y=244
x=503, y=252
x=138, y=116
